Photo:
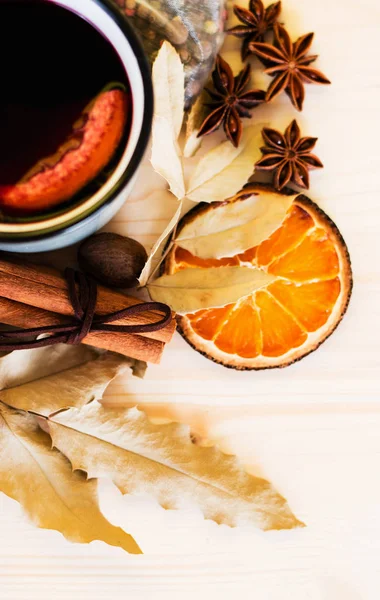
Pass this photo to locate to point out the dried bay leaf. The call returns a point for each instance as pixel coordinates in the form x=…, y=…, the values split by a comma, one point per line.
x=190, y=290
x=165, y=156
x=48, y=379
x=42, y=480
x=168, y=82
x=141, y=457
x=147, y=270
x=169, y=87
x=195, y=118
x=224, y=170
x=236, y=226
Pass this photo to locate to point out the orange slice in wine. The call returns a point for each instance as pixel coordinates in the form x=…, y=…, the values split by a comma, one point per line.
x=56, y=179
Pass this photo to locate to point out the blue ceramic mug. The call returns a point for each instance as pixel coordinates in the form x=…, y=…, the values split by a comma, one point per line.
x=81, y=220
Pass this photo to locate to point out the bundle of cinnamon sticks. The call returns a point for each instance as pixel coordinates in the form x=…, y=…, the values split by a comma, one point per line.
x=34, y=296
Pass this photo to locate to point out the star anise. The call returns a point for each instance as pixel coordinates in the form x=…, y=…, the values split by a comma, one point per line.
x=230, y=101
x=288, y=63
x=288, y=156
x=257, y=21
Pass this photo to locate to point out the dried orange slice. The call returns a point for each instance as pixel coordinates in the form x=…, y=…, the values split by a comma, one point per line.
x=283, y=322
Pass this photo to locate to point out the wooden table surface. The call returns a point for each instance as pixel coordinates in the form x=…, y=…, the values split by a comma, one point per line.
x=312, y=429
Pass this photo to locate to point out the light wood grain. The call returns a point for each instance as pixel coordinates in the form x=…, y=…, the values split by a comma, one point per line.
x=313, y=429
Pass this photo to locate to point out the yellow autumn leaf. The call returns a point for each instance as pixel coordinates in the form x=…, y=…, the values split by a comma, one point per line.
x=161, y=460
x=41, y=479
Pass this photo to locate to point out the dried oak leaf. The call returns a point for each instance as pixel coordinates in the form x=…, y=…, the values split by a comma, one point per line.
x=161, y=460
x=41, y=479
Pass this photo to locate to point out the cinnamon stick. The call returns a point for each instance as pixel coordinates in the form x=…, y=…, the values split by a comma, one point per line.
x=24, y=316
x=46, y=288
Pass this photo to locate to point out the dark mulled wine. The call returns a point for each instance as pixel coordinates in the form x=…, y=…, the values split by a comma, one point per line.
x=53, y=63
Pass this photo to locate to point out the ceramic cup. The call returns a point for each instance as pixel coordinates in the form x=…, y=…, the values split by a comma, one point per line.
x=82, y=220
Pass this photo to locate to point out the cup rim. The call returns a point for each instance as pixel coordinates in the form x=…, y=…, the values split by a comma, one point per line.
x=142, y=141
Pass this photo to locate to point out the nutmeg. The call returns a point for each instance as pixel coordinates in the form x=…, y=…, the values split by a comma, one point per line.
x=112, y=259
